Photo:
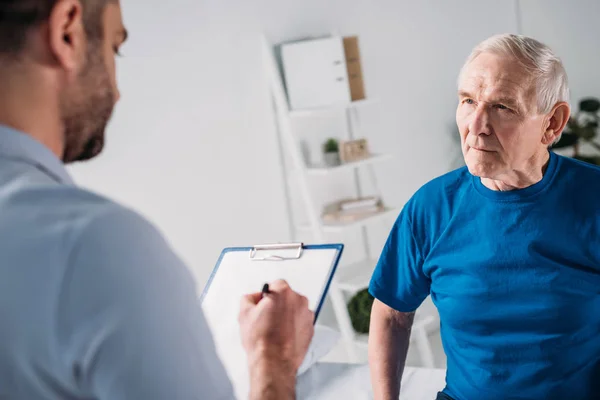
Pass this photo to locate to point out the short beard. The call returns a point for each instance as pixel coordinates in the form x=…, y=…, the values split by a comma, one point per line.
x=86, y=108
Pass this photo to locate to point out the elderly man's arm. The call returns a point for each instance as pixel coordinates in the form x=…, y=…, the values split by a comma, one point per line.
x=399, y=284
x=389, y=336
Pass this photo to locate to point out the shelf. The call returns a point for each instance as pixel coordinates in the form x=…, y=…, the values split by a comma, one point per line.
x=333, y=227
x=306, y=112
x=361, y=339
x=330, y=227
x=355, y=277
x=325, y=170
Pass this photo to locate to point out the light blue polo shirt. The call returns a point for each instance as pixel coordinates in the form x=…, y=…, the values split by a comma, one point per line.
x=93, y=302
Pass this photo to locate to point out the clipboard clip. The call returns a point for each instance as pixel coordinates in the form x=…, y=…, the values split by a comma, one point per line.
x=272, y=257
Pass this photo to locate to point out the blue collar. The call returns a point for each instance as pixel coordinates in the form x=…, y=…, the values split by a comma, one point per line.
x=16, y=145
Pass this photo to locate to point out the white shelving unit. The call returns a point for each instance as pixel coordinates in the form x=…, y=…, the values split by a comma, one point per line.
x=316, y=170
x=312, y=111
x=350, y=278
x=356, y=276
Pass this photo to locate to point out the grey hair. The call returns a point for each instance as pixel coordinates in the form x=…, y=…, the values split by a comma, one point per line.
x=545, y=67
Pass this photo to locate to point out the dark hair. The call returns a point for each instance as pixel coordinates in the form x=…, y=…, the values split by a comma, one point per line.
x=17, y=17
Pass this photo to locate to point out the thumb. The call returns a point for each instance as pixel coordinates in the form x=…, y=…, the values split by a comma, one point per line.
x=249, y=301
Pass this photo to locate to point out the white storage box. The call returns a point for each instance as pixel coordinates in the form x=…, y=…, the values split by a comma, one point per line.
x=316, y=73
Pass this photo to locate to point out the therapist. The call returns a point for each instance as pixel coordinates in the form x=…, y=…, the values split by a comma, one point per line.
x=93, y=302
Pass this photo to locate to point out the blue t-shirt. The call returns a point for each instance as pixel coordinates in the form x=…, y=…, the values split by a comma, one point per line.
x=514, y=275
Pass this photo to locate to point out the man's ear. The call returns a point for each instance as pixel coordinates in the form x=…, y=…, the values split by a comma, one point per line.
x=558, y=118
x=66, y=33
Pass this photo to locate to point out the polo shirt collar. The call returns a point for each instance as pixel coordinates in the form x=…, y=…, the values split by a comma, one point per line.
x=21, y=147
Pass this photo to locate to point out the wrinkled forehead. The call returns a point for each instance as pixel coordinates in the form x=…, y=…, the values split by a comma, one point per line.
x=490, y=76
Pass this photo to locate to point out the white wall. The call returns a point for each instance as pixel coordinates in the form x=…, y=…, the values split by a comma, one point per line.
x=571, y=28
x=192, y=144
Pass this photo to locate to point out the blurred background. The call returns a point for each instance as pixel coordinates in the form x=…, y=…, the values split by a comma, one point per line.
x=200, y=143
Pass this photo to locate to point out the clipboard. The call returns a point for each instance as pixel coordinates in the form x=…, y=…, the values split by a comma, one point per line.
x=308, y=269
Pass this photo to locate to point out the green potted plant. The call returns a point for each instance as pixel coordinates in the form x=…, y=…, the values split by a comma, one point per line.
x=331, y=152
x=583, y=128
x=359, y=308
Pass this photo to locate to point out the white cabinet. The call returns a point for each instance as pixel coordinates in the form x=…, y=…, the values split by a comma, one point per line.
x=316, y=73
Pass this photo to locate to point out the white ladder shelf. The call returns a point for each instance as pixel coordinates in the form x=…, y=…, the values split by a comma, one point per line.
x=350, y=278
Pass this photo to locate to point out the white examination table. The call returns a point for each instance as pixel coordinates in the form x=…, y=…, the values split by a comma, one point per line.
x=333, y=381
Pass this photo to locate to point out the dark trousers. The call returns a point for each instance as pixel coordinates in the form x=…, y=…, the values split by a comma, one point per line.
x=443, y=396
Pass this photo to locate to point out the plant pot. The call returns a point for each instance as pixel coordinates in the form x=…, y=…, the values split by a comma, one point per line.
x=332, y=159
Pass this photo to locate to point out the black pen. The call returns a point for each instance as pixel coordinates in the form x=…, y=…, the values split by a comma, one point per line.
x=265, y=290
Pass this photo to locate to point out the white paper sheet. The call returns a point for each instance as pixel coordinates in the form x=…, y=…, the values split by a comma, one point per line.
x=238, y=275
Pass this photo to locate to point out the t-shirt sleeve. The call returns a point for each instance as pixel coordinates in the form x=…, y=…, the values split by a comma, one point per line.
x=130, y=322
x=398, y=279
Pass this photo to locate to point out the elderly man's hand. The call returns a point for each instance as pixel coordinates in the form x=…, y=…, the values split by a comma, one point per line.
x=276, y=329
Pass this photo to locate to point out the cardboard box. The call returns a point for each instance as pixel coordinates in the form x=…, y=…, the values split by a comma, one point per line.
x=353, y=65
x=354, y=150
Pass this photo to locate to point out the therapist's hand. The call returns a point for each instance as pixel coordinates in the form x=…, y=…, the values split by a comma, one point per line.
x=278, y=328
x=276, y=332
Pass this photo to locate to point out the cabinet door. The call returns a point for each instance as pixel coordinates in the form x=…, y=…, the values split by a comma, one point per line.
x=315, y=73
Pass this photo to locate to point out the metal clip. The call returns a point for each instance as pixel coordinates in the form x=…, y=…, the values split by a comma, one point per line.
x=272, y=257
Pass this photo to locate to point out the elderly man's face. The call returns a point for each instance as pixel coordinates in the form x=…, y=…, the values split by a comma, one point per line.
x=497, y=116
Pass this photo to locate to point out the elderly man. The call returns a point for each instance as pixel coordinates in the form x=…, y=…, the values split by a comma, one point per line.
x=508, y=247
